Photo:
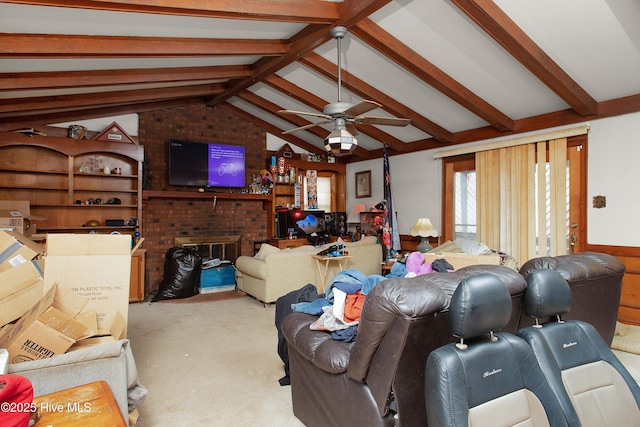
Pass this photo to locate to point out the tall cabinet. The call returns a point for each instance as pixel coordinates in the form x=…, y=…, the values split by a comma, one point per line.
x=76, y=186
x=73, y=185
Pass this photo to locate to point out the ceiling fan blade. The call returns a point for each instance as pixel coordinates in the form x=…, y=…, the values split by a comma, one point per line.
x=310, y=125
x=352, y=129
x=304, y=113
x=361, y=108
x=388, y=121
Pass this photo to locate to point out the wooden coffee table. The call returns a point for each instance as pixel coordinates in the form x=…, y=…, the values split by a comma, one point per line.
x=91, y=404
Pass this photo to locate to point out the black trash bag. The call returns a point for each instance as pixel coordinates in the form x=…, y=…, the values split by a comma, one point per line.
x=182, y=268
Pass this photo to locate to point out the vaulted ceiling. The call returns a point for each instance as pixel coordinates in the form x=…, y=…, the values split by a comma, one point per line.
x=460, y=70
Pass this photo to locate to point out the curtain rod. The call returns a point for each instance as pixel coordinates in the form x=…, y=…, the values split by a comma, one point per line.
x=476, y=147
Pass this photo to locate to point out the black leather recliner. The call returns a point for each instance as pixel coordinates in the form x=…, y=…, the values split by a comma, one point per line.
x=592, y=386
x=486, y=378
x=595, y=280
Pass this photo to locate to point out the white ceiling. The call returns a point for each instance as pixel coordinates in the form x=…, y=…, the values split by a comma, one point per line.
x=596, y=43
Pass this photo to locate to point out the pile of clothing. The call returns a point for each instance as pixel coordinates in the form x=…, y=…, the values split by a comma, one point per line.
x=339, y=309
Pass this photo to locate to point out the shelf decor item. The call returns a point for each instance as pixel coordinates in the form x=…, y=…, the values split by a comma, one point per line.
x=114, y=133
x=77, y=132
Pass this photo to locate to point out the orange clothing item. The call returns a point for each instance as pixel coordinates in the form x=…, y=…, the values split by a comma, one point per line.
x=353, y=307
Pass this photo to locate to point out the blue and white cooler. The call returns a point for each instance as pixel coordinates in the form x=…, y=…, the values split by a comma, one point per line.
x=217, y=276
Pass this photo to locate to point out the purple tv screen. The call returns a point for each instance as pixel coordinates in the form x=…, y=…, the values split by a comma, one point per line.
x=206, y=165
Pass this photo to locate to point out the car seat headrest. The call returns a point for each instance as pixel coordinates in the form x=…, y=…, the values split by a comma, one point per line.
x=547, y=294
x=480, y=304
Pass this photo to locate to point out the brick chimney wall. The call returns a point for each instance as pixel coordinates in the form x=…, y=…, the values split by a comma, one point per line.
x=167, y=218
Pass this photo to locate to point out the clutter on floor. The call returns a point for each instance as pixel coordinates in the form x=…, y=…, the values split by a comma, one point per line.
x=626, y=338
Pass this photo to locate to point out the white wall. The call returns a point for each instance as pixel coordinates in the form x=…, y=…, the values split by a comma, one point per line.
x=614, y=172
x=416, y=181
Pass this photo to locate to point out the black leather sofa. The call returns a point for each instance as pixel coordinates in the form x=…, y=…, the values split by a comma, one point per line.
x=379, y=381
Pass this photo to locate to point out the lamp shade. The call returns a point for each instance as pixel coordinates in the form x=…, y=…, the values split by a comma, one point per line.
x=340, y=140
x=354, y=215
x=424, y=228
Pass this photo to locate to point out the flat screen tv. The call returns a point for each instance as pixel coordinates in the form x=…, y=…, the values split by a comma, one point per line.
x=202, y=164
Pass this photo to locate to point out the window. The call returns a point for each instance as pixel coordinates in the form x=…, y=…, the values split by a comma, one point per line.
x=460, y=202
x=324, y=194
x=465, y=205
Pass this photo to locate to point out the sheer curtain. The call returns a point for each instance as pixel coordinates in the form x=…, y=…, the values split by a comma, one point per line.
x=521, y=194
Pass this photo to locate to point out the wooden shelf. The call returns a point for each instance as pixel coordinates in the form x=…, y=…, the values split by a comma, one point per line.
x=45, y=171
x=75, y=205
x=319, y=166
x=153, y=194
x=104, y=175
x=101, y=227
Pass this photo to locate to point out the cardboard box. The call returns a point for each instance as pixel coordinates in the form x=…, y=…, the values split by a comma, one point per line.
x=15, y=215
x=21, y=288
x=459, y=260
x=16, y=249
x=218, y=279
x=95, y=266
x=44, y=331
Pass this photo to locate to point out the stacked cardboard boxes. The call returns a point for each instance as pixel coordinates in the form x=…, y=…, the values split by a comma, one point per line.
x=15, y=215
x=81, y=298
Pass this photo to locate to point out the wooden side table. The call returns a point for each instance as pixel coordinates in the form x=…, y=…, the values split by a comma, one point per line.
x=325, y=261
x=91, y=404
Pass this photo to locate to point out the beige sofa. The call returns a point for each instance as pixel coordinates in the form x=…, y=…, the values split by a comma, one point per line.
x=274, y=272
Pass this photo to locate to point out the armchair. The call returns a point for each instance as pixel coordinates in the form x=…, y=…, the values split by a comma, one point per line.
x=595, y=280
x=380, y=380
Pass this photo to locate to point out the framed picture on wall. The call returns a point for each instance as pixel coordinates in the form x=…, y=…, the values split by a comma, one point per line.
x=363, y=184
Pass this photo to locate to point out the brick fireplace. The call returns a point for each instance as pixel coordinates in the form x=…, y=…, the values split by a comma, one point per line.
x=168, y=218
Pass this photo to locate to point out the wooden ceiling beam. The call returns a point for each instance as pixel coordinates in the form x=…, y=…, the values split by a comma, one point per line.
x=366, y=91
x=83, y=113
x=270, y=128
x=18, y=106
x=84, y=78
x=309, y=38
x=354, y=11
x=317, y=103
x=272, y=108
x=488, y=16
x=306, y=40
x=73, y=46
x=310, y=12
x=407, y=58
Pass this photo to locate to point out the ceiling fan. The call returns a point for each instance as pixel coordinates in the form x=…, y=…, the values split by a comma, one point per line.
x=344, y=115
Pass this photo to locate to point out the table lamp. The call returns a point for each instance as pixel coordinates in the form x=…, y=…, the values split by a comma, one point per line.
x=424, y=229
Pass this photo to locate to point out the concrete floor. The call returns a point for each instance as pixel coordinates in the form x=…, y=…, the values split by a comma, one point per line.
x=209, y=364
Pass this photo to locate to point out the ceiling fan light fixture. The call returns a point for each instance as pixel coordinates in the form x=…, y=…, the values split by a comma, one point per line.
x=340, y=141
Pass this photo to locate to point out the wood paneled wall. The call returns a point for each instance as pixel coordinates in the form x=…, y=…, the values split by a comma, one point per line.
x=629, y=311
